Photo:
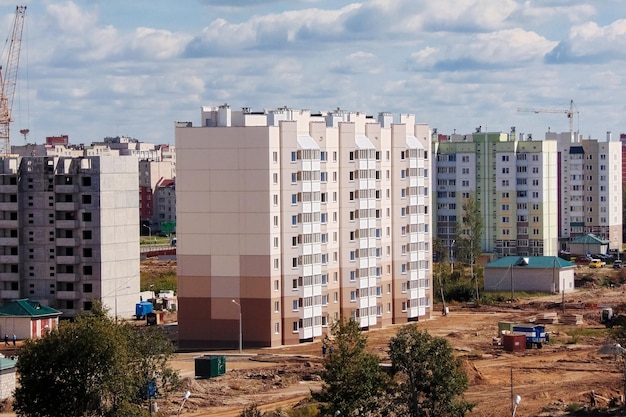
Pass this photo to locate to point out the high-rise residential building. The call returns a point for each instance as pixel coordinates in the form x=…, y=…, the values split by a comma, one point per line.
x=164, y=203
x=590, y=187
x=513, y=180
x=157, y=163
x=296, y=220
x=535, y=196
x=69, y=232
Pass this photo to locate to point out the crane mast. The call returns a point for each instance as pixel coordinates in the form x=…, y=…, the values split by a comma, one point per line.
x=569, y=112
x=8, y=78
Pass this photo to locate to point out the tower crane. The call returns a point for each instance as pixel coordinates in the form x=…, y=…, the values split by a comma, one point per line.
x=8, y=78
x=569, y=112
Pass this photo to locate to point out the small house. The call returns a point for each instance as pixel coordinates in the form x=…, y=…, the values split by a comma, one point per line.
x=7, y=378
x=531, y=274
x=589, y=244
x=27, y=319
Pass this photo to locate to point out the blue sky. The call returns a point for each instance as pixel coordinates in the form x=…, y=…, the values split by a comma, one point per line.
x=91, y=69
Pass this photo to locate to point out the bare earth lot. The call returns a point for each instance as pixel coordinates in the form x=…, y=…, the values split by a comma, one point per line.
x=548, y=379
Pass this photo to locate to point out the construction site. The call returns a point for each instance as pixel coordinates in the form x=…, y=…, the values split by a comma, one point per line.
x=554, y=379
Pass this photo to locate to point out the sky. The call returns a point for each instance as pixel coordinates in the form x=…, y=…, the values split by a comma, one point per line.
x=91, y=69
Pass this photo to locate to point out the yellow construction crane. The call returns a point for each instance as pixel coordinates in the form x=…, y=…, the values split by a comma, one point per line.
x=8, y=78
x=569, y=112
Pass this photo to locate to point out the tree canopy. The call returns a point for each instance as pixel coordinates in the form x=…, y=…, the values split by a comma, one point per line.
x=430, y=380
x=92, y=367
x=426, y=379
x=352, y=379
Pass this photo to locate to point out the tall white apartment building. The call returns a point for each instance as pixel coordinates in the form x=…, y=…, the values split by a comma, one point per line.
x=69, y=233
x=512, y=178
x=296, y=220
x=590, y=187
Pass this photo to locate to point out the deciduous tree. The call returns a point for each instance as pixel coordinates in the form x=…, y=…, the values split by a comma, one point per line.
x=91, y=367
x=430, y=380
x=352, y=379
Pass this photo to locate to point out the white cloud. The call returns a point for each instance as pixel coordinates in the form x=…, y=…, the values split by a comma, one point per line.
x=589, y=38
x=357, y=63
x=543, y=14
x=158, y=44
x=507, y=48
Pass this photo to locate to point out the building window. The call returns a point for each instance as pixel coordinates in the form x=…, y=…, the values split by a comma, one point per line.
x=294, y=305
x=276, y=306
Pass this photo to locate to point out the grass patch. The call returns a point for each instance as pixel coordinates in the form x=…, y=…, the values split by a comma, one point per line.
x=494, y=297
x=574, y=335
x=162, y=281
x=574, y=407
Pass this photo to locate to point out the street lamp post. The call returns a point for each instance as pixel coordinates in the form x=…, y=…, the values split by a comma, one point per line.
x=185, y=398
x=149, y=234
x=240, y=332
x=452, y=242
x=517, y=401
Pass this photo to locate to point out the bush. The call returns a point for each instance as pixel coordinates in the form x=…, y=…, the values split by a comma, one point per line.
x=574, y=407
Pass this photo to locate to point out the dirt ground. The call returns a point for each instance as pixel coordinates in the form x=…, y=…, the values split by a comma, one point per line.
x=548, y=380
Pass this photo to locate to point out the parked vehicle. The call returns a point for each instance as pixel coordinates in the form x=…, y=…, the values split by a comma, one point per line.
x=596, y=263
x=610, y=319
x=582, y=259
x=617, y=264
x=603, y=256
x=535, y=335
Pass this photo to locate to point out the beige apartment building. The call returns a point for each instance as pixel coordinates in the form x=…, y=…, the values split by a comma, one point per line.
x=295, y=220
x=590, y=187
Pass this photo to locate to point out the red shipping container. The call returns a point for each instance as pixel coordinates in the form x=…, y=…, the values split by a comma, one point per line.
x=514, y=342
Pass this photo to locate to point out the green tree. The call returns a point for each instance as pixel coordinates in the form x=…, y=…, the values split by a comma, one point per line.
x=92, y=367
x=430, y=380
x=469, y=235
x=352, y=379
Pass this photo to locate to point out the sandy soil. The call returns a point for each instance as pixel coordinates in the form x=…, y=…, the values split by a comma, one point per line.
x=548, y=379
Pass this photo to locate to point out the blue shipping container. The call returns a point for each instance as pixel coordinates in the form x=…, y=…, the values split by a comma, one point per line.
x=142, y=308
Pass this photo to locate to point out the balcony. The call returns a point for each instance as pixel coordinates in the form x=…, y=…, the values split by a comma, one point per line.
x=9, y=224
x=69, y=241
x=66, y=260
x=67, y=224
x=8, y=189
x=9, y=276
x=67, y=295
x=8, y=206
x=9, y=259
x=9, y=241
x=71, y=206
x=9, y=294
x=66, y=189
x=67, y=277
